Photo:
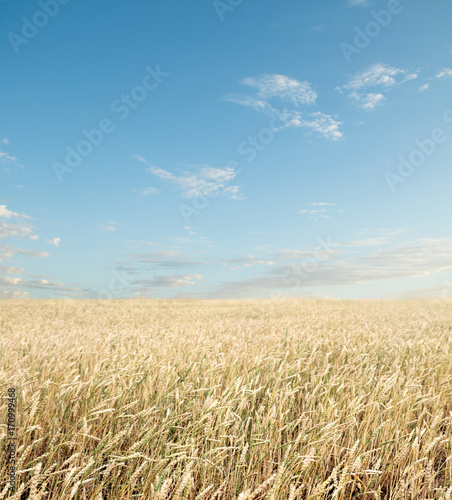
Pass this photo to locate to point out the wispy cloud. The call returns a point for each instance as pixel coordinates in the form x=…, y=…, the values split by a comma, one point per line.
x=168, y=281
x=8, y=158
x=107, y=227
x=18, y=288
x=380, y=74
x=251, y=102
x=15, y=231
x=368, y=101
x=202, y=180
x=248, y=261
x=271, y=88
x=166, y=259
x=16, y=226
x=286, y=118
x=354, y=3
x=320, y=210
x=375, y=255
x=355, y=266
x=378, y=78
x=283, y=87
x=324, y=125
x=20, y=228
x=55, y=242
x=13, y=294
x=7, y=252
x=148, y=191
x=423, y=87
x=8, y=214
x=445, y=73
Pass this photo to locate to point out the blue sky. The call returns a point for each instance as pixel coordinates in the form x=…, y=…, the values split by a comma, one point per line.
x=235, y=149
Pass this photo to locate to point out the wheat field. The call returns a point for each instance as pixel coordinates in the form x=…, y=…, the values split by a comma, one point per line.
x=284, y=399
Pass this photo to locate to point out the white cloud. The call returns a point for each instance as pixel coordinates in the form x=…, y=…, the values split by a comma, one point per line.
x=283, y=87
x=284, y=118
x=445, y=73
x=423, y=87
x=30, y=253
x=16, y=226
x=14, y=231
x=375, y=256
x=168, y=281
x=8, y=214
x=233, y=192
x=250, y=102
x=10, y=281
x=10, y=159
x=167, y=259
x=21, y=229
x=248, y=261
x=379, y=240
x=148, y=191
x=8, y=294
x=319, y=210
x=159, y=172
x=344, y=267
x=325, y=125
x=55, y=241
x=378, y=76
x=12, y=270
x=367, y=101
x=354, y=3
x=5, y=141
x=15, y=287
x=7, y=252
x=106, y=228
x=206, y=180
x=190, y=230
x=293, y=91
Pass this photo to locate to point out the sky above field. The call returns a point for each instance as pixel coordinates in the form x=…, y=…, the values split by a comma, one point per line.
x=225, y=149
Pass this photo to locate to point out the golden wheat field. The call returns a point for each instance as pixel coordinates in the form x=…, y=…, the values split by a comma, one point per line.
x=228, y=399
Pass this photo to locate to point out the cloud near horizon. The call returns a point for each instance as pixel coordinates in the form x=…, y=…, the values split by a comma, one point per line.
x=383, y=254
x=15, y=281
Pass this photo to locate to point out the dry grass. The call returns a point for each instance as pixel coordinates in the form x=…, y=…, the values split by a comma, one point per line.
x=229, y=400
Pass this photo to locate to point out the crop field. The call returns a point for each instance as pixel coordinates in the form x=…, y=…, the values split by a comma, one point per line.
x=233, y=400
